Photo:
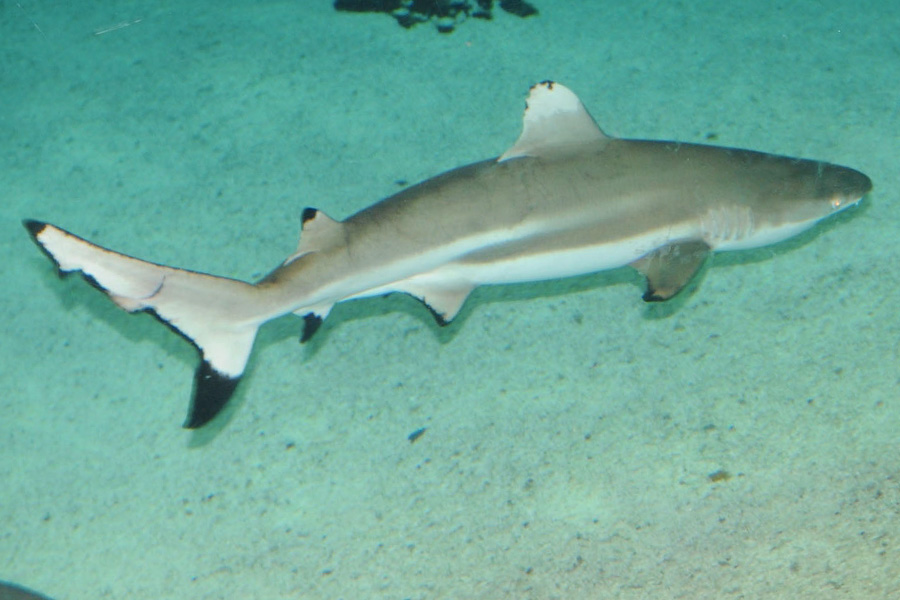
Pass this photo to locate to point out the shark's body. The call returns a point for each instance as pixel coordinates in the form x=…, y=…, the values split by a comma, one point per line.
x=565, y=200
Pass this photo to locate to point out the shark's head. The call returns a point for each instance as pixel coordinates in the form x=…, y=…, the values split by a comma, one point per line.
x=787, y=197
x=835, y=187
x=812, y=191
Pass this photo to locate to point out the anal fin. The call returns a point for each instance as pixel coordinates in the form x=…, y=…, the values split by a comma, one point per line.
x=313, y=317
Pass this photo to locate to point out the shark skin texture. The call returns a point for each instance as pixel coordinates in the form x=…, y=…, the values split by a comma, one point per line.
x=566, y=199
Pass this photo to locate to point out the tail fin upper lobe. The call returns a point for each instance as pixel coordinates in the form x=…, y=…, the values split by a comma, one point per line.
x=213, y=313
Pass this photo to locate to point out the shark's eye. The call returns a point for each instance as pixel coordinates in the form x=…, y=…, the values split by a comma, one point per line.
x=837, y=202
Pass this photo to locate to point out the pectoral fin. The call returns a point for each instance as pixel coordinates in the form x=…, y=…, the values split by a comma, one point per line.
x=670, y=268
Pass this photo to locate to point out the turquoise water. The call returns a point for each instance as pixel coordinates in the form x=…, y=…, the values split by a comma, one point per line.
x=571, y=430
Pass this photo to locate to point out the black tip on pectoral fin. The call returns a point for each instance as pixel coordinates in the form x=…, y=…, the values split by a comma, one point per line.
x=652, y=295
x=670, y=268
x=211, y=392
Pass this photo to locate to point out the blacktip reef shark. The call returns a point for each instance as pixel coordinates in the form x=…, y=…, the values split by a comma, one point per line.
x=566, y=199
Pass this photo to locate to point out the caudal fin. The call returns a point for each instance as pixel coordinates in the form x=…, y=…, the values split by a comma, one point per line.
x=214, y=313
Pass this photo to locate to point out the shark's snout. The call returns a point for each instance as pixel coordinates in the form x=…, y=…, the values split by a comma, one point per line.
x=842, y=186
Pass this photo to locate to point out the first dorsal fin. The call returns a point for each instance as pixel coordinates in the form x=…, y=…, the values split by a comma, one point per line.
x=554, y=119
x=317, y=231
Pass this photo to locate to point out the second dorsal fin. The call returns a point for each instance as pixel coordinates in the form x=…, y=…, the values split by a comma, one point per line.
x=317, y=231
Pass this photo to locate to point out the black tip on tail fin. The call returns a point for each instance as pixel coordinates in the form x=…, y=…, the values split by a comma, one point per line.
x=211, y=392
x=35, y=229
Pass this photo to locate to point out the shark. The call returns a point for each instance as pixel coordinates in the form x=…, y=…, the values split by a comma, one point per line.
x=566, y=199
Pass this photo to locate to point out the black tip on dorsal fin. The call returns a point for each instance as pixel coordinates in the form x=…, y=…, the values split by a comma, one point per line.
x=211, y=392
x=307, y=215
